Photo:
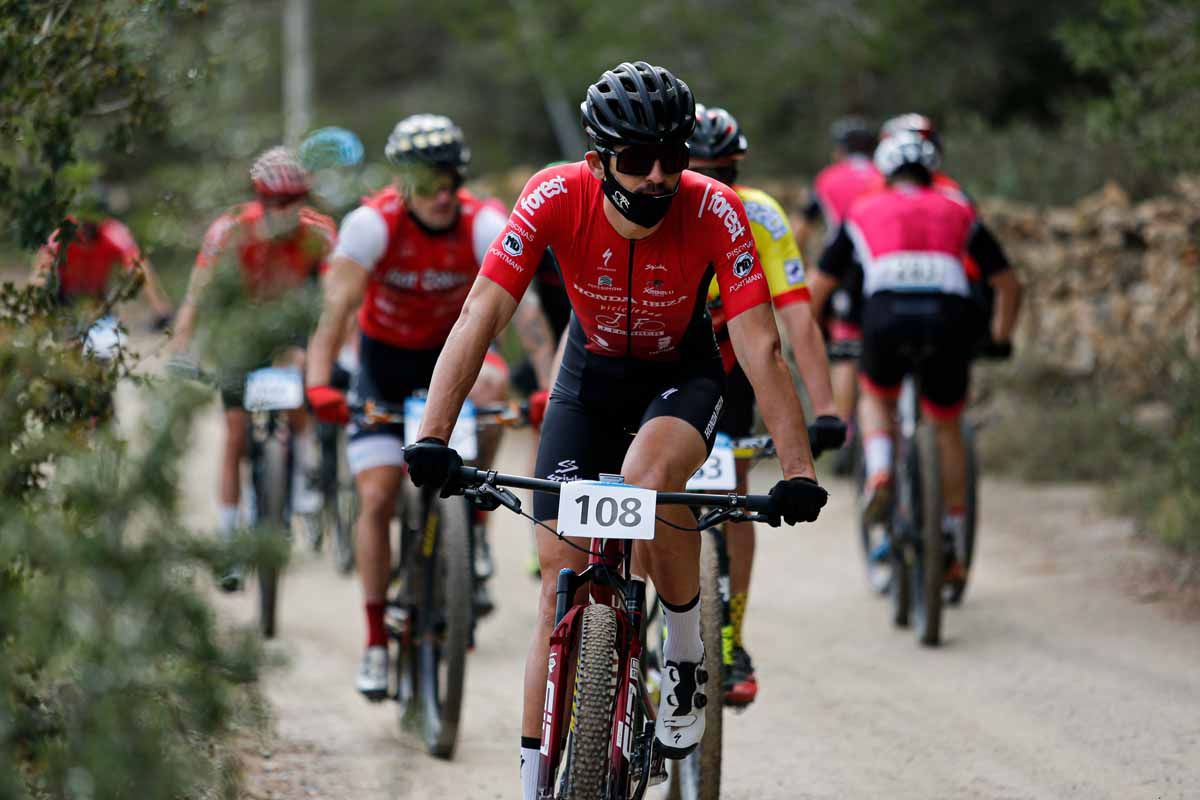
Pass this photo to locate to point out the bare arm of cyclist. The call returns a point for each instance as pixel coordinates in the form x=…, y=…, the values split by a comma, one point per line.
x=488, y=308
x=153, y=291
x=43, y=265
x=343, y=286
x=185, y=320
x=536, y=337
x=809, y=346
x=1008, y=303
x=756, y=343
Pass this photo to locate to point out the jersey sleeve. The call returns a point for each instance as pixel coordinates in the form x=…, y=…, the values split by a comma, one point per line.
x=488, y=224
x=513, y=257
x=838, y=257
x=121, y=241
x=777, y=250
x=216, y=239
x=735, y=259
x=363, y=237
x=986, y=251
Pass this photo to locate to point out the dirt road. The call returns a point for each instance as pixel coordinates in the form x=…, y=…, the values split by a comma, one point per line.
x=1055, y=681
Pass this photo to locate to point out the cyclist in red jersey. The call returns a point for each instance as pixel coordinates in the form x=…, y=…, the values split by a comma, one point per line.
x=835, y=189
x=911, y=240
x=278, y=244
x=100, y=243
x=639, y=390
x=405, y=260
x=717, y=147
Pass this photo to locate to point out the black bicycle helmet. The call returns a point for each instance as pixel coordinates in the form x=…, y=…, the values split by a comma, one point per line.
x=853, y=135
x=637, y=103
x=717, y=135
x=428, y=139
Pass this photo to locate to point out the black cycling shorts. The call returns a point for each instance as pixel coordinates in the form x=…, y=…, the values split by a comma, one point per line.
x=929, y=335
x=599, y=404
x=388, y=375
x=737, y=421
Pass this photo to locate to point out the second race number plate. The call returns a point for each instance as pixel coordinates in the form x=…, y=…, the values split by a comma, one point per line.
x=597, y=510
x=717, y=474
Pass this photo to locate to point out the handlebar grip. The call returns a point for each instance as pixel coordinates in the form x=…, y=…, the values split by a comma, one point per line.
x=758, y=503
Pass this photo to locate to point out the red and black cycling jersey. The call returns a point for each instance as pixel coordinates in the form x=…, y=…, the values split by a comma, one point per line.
x=638, y=299
x=91, y=256
x=270, y=266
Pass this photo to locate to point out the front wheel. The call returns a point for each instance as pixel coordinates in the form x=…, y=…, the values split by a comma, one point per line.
x=273, y=513
x=927, y=577
x=590, y=738
x=446, y=626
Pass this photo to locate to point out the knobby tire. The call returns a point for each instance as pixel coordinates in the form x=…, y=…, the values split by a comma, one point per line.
x=590, y=740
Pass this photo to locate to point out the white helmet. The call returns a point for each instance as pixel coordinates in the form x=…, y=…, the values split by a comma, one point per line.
x=278, y=173
x=905, y=148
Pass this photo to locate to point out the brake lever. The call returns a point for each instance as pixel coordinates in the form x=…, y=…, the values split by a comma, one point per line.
x=489, y=498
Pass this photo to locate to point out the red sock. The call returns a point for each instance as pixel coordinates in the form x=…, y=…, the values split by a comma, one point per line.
x=376, y=632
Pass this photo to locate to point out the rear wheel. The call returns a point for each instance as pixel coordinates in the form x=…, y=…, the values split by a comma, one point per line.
x=930, y=563
x=590, y=737
x=446, y=631
x=272, y=509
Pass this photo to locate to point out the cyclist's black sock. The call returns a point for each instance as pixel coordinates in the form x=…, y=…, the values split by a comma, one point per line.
x=529, y=766
x=683, y=631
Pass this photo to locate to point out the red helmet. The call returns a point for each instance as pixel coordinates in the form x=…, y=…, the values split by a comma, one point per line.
x=914, y=123
x=278, y=173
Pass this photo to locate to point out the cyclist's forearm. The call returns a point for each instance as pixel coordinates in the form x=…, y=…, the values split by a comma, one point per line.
x=756, y=344
x=152, y=288
x=185, y=323
x=344, y=286
x=809, y=347
x=485, y=313
x=1008, y=303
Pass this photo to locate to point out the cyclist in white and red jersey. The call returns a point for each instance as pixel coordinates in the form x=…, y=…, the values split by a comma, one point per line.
x=405, y=260
x=278, y=244
x=717, y=148
x=836, y=187
x=911, y=240
x=639, y=391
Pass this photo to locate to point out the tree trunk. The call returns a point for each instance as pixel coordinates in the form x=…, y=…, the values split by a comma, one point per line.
x=297, y=70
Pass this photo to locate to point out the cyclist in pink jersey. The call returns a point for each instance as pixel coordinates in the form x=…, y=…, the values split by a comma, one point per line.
x=911, y=240
x=639, y=392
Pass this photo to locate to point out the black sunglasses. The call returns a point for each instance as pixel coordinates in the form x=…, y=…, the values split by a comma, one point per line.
x=639, y=159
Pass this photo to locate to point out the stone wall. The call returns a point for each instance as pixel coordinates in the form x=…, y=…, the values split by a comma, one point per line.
x=1111, y=286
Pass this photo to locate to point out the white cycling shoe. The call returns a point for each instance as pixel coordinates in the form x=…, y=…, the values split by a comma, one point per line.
x=680, y=724
x=372, y=679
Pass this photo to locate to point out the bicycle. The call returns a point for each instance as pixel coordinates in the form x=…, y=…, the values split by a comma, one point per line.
x=598, y=725
x=429, y=614
x=339, y=499
x=271, y=393
x=698, y=777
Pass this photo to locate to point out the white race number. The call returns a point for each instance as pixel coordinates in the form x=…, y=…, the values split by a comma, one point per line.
x=274, y=389
x=717, y=474
x=464, y=437
x=599, y=510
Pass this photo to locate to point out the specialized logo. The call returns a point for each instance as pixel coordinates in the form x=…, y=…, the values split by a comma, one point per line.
x=668, y=393
x=565, y=472
x=743, y=265
x=606, y=255
x=664, y=343
x=727, y=213
x=536, y=197
x=621, y=201
x=513, y=244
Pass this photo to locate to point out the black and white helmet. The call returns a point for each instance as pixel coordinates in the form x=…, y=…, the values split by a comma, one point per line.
x=904, y=149
x=914, y=123
x=638, y=103
x=717, y=135
x=427, y=139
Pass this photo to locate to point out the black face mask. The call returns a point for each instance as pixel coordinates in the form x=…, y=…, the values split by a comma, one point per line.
x=646, y=210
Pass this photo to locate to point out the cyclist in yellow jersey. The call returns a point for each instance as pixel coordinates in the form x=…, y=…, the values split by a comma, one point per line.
x=717, y=145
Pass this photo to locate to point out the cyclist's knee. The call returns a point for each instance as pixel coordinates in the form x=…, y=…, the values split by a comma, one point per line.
x=235, y=432
x=490, y=387
x=377, y=500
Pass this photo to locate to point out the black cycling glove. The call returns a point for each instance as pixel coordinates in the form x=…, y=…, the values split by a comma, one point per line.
x=827, y=433
x=431, y=463
x=795, y=500
x=999, y=351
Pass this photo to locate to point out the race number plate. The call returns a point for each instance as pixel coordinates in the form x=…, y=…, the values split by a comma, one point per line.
x=463, y=439
x=274, y=389
x=717, y=474
x=599, y=510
